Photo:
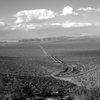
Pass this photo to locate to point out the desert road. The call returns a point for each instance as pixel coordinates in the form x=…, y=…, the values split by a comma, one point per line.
x=66, y=77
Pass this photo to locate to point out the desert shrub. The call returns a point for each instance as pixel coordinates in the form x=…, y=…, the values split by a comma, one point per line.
x=94, y=93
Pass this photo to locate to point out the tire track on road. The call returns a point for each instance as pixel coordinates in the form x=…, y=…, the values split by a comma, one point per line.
x=54, y=59
x=44, y=51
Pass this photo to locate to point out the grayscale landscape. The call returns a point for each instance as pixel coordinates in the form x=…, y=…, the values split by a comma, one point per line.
x=50, y=50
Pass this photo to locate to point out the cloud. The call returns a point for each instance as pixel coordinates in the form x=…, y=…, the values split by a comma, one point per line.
x=68, y=11
x=22, y=26
x=75, y=24
x=28, y=26
x=71, y=24
x=31, y=26
x=55, y=24
x=2, y=23
x=40, y=19
x=88, y=9
x=39, y=14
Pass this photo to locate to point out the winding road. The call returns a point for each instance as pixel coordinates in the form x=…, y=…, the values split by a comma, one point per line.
x=71, y=77
x=91, y=70
x=66, y=77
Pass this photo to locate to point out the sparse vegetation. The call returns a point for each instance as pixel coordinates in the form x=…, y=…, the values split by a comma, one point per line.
x=22, y=87
x=26, y=75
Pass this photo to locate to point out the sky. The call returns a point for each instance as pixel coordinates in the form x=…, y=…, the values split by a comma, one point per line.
x=21, y=19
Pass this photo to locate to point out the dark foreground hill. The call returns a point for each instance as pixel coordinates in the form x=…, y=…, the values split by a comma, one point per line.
x=14, y=87
x=22, y=87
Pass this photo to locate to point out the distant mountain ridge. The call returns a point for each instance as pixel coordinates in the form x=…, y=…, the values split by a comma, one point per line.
x=59, y=38
x=53, y=39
